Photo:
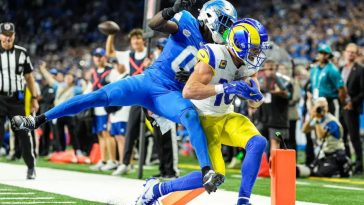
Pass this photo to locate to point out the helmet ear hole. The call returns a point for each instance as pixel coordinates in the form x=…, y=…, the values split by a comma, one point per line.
x=208, y=15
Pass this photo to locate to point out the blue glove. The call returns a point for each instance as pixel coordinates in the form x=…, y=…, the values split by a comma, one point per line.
x=234, y=87
x=251, y=92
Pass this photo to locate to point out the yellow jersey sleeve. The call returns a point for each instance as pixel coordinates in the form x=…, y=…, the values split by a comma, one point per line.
x=207, y=56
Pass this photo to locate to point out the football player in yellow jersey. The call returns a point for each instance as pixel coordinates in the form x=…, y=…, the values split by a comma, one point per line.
x=219, y=75
x=212, y=88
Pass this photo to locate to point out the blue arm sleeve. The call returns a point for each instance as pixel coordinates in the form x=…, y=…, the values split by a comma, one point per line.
x=333, y=129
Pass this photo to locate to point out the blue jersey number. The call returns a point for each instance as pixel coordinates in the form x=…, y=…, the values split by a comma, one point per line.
x=227, y=99
x=185, y=60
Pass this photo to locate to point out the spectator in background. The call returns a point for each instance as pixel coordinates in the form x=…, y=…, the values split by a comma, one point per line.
x=135, y=61
x=100, y=78
x=274, y=111
x=331, y=160
x=292, y=109
x=63, y=91
x=164, y=132
x=353, y=76
x=46, y=102
x=306, y=85
x=326, y=80
x=118, y=115
x=85, y=118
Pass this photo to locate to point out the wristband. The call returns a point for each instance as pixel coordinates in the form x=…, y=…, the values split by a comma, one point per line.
x=34, y=97
x=168, y=13
x=219, y=89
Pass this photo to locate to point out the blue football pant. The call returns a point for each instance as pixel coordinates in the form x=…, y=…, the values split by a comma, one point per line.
x=146, y=91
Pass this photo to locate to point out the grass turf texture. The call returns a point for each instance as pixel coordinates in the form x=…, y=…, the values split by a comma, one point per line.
x=309, y=190
x=36, y=197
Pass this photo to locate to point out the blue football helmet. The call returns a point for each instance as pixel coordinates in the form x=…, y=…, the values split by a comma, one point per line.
x=218, y=16
x=248, y=39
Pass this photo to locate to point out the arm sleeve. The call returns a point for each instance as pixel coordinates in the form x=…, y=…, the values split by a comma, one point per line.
x=333, y=129
x=28, y=66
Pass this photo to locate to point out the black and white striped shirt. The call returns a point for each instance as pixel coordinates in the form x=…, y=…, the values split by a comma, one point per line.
x=14, y=64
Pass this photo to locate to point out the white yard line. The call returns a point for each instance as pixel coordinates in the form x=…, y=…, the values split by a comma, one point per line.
x=344, y=187
x=102, y=188
x=39, y=202
x=303, y=183
x=27, y=198
x=17, y=193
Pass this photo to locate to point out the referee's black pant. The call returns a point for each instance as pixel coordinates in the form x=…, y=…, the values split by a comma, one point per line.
x=167, y=152
x=9, y=107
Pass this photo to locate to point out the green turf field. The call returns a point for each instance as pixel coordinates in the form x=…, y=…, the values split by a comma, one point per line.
x=17, y=195
x=333, y=191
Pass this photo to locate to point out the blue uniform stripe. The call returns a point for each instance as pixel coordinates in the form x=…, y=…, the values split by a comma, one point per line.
x=211, y=56
x=333, y=129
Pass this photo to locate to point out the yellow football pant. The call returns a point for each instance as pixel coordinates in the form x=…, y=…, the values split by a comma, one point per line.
x=232, y=129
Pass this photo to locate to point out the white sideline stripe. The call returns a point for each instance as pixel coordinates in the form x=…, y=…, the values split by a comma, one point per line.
x=344, y=187
x=27, y=198
x=120, y=190
x=238, y=176
x=303, y=183
x=17, y=193
x=40, y=202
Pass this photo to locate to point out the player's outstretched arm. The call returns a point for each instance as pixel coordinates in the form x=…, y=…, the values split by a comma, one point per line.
x=197, y=87
x=109, y=47
x=158, y=23
x=161, y=21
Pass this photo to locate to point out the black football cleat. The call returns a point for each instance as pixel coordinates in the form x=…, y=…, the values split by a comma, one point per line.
x=23, y=123
x=212, y=180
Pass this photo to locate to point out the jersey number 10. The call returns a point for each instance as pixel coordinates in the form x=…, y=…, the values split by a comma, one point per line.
x=227, y=99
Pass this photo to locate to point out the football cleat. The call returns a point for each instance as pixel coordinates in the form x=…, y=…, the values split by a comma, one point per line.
x=147, y=197
x=23, y=123
x=212, y=180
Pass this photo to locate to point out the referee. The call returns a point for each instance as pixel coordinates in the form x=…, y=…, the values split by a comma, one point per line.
x=15, y=70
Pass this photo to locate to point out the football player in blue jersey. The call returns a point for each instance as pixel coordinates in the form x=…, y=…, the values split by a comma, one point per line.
x=218, y=66
x=157, y=89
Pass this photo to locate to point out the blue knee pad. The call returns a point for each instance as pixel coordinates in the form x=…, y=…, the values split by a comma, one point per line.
x=190, y=119
x=256, y=144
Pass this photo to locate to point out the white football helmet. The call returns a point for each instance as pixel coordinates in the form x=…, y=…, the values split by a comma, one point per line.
x=218, y=16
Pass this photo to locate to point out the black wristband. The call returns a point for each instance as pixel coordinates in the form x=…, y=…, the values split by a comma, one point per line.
x=168, y=13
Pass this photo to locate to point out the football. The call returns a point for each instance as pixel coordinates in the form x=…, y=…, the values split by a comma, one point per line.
x=108, y=27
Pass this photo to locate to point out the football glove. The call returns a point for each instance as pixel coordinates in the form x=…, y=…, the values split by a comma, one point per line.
x=180, y=5
x=182, y=76
x=234, y=87
x=250, y=92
